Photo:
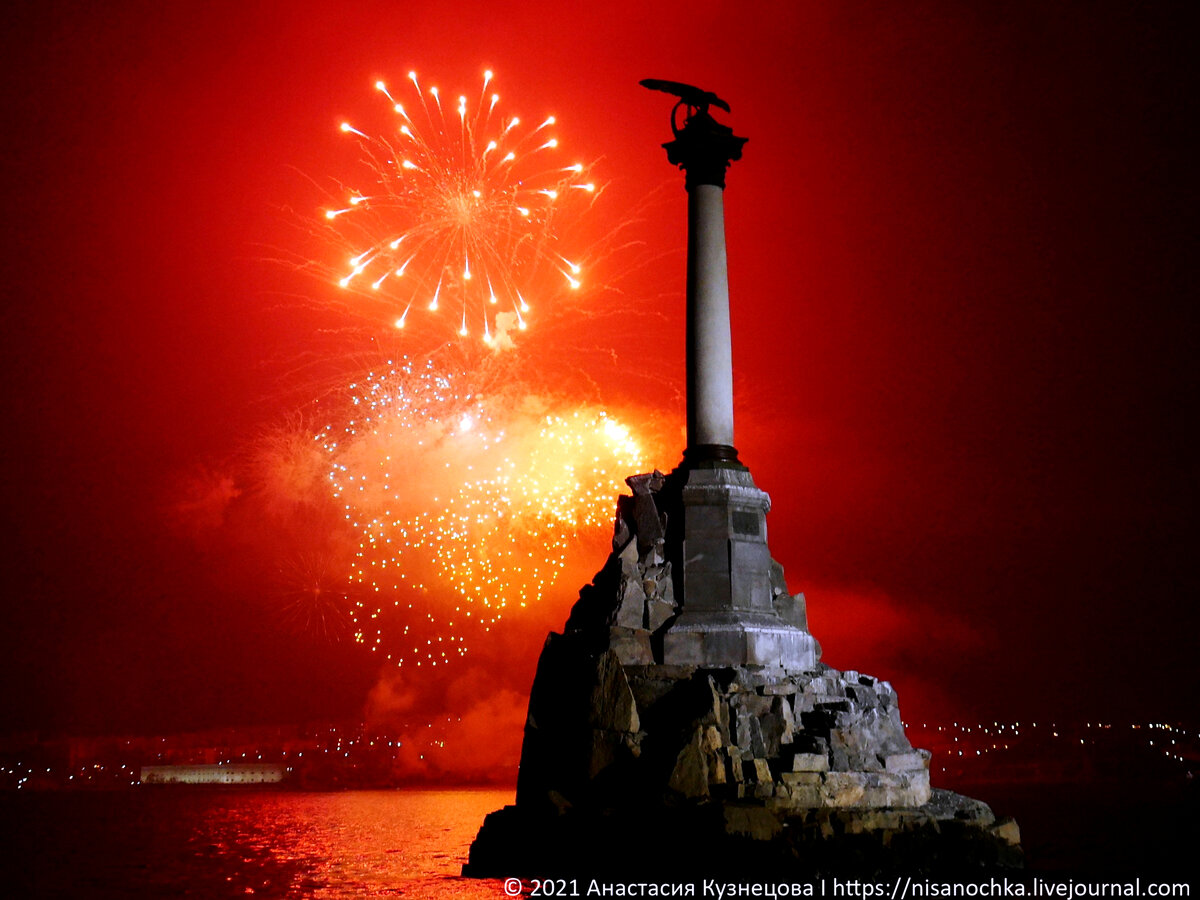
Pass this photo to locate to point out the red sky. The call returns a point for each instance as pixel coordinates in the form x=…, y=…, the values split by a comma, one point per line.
x=961, y=248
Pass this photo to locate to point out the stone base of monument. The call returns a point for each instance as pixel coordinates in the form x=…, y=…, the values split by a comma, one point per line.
x=759, y=640
x=673, y=770
x=632, y=764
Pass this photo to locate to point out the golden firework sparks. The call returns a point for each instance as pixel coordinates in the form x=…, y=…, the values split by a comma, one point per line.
x=464, y=496
x=457, y=218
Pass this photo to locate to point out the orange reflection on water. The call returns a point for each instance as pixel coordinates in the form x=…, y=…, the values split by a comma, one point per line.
x=342, y=845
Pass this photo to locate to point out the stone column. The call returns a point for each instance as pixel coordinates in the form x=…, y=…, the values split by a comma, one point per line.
x=727, y=615
x=709, y=350
x=704, y=148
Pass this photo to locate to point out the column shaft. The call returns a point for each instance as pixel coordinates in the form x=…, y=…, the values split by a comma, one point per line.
x=709, y=355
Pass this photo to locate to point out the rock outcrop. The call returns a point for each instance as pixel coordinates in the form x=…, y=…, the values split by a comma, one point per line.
x=626, y=756
x=598, y=729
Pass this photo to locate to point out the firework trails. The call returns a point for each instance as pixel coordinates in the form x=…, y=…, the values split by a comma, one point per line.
x=313, y=596
x=457, y=221
x=465, y=504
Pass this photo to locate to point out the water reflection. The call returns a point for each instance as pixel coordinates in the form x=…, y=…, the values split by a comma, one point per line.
x=177, y=842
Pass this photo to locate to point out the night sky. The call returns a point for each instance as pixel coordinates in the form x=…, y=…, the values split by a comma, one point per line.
x=962, y=275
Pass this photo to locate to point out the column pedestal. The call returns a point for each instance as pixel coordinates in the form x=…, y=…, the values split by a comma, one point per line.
x=728, y=617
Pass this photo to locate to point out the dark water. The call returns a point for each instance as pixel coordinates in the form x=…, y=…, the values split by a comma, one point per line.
x=1127, y=828
x=214, y=844
x=180, y=843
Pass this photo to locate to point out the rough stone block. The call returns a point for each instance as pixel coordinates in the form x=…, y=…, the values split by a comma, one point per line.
x=783, y=709
x=712, y=738
x=754, y=704
x=772, y=728
x=689, y=777
x=905, y=762
x=832, y=706
x=841, y=761
x=666, y=585
x=628, y=557
x=1007, y=831
x=737, y=774
x=757, y=771
x=631, y=613
x=792, y=610
x=646, y=691
x=862, y=695
x=632, y=645
x=621, y=535
x=612, y=704
x=658, y=613
x=717, y=772
x=778, y=582
x=623, y=527
x=806, y=742
x=749, y=733
x=802, y=777
x=807, y=796
x=683, y=648
x=844, y=789
x=649, y=482
x=648, y=524
x=919, y=790
x=810, y=762
x=822, y=687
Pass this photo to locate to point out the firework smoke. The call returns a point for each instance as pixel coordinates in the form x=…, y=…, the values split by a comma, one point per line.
x=430, y=497
x=466, y=503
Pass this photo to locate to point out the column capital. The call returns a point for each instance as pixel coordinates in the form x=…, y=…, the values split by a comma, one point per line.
x=704, y=148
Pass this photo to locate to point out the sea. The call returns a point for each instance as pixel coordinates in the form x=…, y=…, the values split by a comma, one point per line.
x=216, y=843
x=232, y=843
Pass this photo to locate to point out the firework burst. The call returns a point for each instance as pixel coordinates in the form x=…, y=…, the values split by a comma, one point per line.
x=457, y=218
x=313, y=596
x=464, y=483
x=465, y=503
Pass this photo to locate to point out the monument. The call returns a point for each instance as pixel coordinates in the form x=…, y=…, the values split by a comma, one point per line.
x=682, y=722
